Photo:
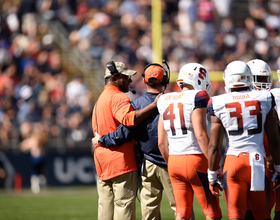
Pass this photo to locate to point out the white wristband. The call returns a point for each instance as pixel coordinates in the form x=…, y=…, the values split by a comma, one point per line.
x=277, y=168
x=212, y=175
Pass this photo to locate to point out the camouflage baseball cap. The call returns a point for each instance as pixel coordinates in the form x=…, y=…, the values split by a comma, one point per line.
x=122, y=68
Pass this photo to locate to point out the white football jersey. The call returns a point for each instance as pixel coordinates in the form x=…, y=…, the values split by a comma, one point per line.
x=176, y=109
x=243, y=115
x=276, y=93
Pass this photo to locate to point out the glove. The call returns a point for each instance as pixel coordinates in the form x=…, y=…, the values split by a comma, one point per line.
x=276, y=177
x=220, y=178
x=215, y=182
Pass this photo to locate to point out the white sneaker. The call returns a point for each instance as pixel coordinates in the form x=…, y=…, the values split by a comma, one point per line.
x=35, y=184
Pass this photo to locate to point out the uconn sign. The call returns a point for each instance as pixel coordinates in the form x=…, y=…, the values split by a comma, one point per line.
x=71, y=169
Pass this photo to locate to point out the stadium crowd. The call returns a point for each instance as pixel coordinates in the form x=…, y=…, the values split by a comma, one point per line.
x=212, y=33
x=36, y=92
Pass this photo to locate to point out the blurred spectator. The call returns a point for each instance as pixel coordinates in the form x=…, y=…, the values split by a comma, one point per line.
x=76, y=93
x=42, y=62
x=26, y=105
x=59, y=9
x=55, y=63
x=35, y=144
x=187, y=16
x=8, y=79
x=223, y=7
x=77, y=132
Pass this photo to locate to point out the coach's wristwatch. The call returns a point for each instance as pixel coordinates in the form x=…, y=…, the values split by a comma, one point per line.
x=268, y=159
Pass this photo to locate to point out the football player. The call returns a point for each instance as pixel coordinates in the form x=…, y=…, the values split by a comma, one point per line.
x=262, y=75
x=243, y=116
x=262, y=80
x=183, y=141
x=276, y=93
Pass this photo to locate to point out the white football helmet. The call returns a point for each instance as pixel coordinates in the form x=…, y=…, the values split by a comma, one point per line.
x=196, y=75
x=237, y=74
x=262, y=76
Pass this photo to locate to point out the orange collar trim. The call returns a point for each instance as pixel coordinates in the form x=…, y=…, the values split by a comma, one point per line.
x=112, y=87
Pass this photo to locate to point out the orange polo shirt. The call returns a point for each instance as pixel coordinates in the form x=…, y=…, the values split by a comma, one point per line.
x=112, y=108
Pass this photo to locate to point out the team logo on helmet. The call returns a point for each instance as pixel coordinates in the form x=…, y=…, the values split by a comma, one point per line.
x=202, y=73
x=196, y=75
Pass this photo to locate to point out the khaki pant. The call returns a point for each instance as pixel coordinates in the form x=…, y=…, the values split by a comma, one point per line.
x=117, y=197
x=155, y=179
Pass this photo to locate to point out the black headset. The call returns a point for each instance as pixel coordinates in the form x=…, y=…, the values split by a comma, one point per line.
x=166, y=76
x=112, y=67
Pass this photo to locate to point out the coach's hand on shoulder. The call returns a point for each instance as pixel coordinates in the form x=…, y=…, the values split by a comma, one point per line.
x=156, y=99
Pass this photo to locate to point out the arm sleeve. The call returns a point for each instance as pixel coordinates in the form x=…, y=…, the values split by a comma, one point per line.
x=122, y=109
x=116, y=138
x=125, y=115
x=201, y=99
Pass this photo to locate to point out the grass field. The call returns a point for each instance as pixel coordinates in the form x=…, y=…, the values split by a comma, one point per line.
x=69, y=203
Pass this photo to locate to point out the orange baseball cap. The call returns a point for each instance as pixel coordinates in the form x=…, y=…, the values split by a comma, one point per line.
x=155, y=72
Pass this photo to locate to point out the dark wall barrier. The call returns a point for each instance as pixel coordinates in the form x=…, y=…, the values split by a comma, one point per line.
x=60, y=169
x=74, y=168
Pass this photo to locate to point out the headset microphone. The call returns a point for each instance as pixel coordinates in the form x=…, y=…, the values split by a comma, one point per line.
x=133, y=91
